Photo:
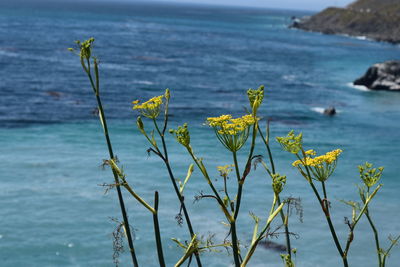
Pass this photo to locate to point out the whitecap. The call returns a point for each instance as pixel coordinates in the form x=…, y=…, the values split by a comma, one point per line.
x=361, y=37
x=144, y=82
x=358, y=87
x=289, y=77
x=321, y=110
x=8, y=54
x=318, y=110
x=113, y=66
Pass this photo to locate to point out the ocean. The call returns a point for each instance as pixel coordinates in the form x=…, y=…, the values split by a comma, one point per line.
x=54, y=211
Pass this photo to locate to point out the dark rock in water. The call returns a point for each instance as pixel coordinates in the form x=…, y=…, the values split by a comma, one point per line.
x=374, y=19
x=330, y=111
x=381, y=76
x=54, y=94
x=267, y=244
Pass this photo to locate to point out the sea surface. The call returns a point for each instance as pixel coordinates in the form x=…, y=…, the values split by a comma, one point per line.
x=53, y=209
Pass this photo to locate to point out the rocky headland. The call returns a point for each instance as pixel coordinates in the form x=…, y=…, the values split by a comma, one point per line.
x=374, y=19
x=381, y=76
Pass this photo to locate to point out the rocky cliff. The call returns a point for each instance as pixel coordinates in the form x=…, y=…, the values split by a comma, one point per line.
x=375, y=19
x=382, y=76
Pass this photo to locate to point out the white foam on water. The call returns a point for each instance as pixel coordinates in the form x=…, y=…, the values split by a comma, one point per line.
x=144, y=82
x=361, y=37
x=318, y=110
x=358, y=87
x=321, y=110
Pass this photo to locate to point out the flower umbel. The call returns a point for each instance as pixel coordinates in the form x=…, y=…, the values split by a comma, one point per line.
x=150, y=108
x=232, y=133
x=321, y=166
x=85, y=48
x=225, y=170
x=182, y=135
x=256, y=97
x=370, y=176
x=278, y=183
x=291, y=142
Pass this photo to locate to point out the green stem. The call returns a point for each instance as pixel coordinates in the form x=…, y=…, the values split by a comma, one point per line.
x=254, y=243
x=286, y=225
x=325, y=208
x=284, y=220
x=207, y=177
x=235, y=245
x=376, y=236
x=378, y=248
x=240, y=186
x=176, y=189
x=157, y=232
x=394, y=242
x=111, y=154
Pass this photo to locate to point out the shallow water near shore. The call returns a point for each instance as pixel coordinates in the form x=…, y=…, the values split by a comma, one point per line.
x=54, y=211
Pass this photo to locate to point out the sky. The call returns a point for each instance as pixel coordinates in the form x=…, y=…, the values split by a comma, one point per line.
x=284, y=4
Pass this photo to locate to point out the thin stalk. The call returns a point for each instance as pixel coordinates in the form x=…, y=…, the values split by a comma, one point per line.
x=376, y=236
x=173, y=181
x=286, y=225
x=157, y=232
x=103, y=121
x=207, y=177
x=325, y=209
x=254, y=243
x=357, y=219
x=284, y=221
x=235, y=246
x=394, y=242
x=240, y=186
x=378, y=248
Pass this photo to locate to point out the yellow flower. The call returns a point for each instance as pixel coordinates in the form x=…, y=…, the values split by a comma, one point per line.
x=232, y=132
x=322, y=166
x=150, y=108
x=225, y=170
x=311, y=152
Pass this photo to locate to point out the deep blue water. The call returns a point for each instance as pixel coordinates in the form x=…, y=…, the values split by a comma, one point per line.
x=53, y=211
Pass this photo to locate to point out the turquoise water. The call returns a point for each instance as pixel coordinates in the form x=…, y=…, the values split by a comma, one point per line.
x=53, y=211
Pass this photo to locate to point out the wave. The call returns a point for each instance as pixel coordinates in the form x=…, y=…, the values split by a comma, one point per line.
x=359, y=87
x=144, y=82
x=318, y=110
x=321, y=110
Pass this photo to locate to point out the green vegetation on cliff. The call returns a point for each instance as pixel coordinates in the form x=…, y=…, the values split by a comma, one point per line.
x=375, y=19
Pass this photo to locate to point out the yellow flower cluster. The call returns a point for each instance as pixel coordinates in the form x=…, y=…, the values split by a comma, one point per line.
x=152, y=103
x=225, y=170
x=311, y=152
x=321, y=167
x=226, y=125
x=328, y=158
x=150, y=108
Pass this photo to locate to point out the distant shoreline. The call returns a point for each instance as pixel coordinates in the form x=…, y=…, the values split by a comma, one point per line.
x=376, y=20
